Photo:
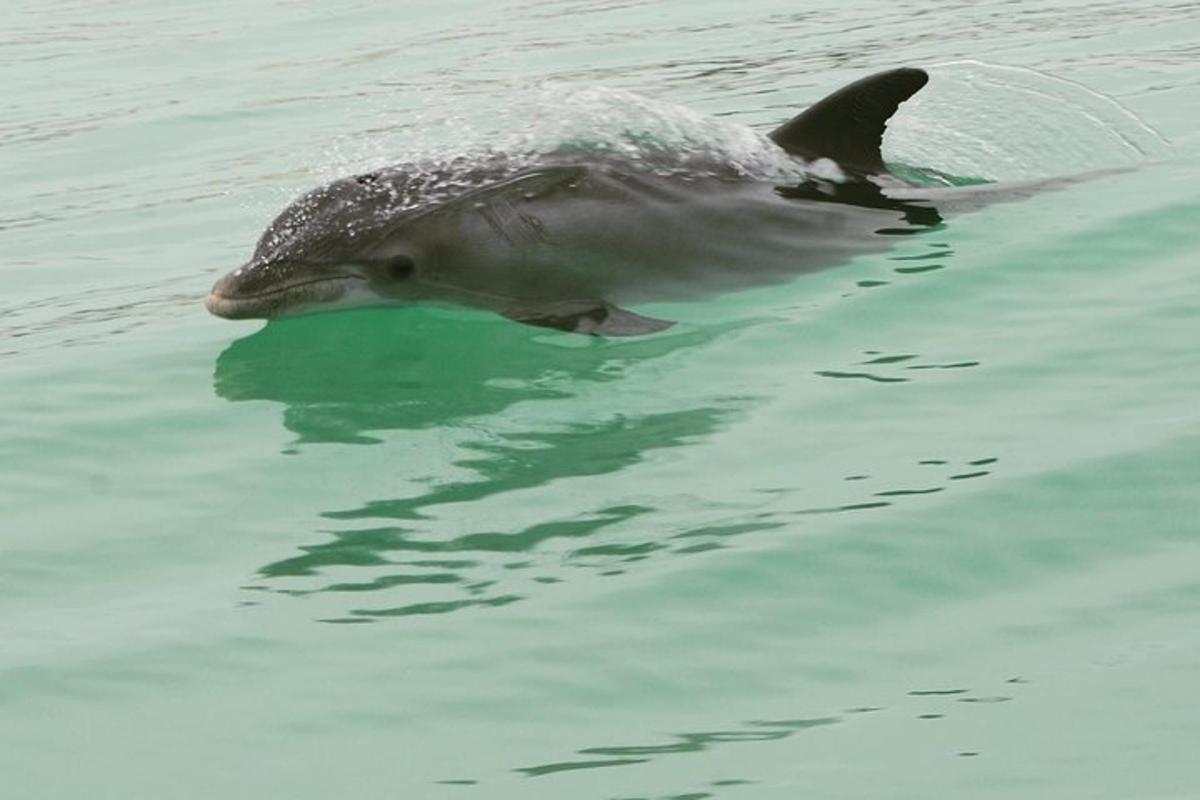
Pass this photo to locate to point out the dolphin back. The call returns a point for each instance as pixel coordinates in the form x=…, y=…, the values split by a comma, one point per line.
x=847, y=126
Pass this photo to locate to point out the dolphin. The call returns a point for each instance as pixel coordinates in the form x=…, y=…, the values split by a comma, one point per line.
x=567, y=239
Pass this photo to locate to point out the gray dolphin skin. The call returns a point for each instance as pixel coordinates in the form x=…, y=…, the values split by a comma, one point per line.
x=568, y=239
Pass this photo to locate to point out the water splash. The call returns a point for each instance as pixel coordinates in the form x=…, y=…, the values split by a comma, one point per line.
x=999, y=122
x=558, y=118
x=654, y=135
x=976, y=121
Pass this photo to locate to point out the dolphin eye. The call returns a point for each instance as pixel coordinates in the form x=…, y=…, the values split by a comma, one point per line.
x=399, y=267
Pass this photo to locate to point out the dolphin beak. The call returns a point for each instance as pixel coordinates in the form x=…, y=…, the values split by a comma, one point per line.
x=229, y=298
x=222, y=305
x=263, y=291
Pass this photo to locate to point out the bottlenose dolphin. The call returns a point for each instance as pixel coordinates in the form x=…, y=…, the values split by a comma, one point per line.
x=565, y=240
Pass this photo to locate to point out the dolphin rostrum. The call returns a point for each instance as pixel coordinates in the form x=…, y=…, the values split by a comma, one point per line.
x=564, y=240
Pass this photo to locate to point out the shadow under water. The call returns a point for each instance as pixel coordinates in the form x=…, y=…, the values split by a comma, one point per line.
x=342, y=376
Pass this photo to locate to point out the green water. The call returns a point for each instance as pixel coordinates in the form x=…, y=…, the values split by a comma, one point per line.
x=924, y=525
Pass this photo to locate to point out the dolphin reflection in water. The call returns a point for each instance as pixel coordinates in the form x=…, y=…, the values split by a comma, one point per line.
x=568, y=239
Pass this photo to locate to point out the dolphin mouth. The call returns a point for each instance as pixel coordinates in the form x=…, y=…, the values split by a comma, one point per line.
x=280, y=300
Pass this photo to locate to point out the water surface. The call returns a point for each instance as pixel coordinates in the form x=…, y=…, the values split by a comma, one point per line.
x=921, y=525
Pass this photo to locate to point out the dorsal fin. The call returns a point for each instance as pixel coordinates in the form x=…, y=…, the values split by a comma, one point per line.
x=847, y=126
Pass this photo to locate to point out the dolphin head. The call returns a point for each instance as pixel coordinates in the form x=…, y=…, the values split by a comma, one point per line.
x=343, y=244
